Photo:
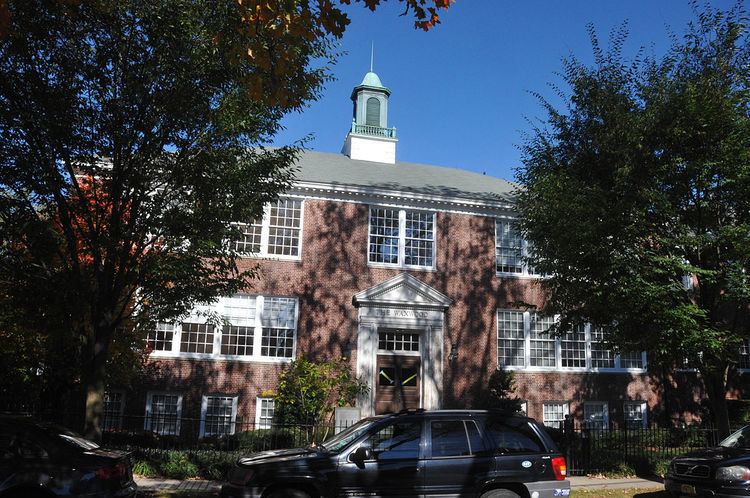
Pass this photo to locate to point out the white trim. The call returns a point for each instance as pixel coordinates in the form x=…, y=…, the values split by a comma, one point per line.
x=218, y=308
x=147, y=419
x=204, y=412
x=258, y=408
x=266, y=229
x=524, y=273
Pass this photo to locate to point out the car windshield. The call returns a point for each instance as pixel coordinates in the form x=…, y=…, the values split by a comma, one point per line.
x=739, y=439
x=339, y=441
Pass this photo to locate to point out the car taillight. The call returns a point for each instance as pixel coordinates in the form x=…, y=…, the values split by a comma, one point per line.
x=560, y=468
x=107, y=473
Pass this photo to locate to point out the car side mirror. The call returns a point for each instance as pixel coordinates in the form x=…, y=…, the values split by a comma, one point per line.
x=361, y=454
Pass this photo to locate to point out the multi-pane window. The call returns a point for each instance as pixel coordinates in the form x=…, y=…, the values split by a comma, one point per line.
x=160, y=337
x=601, y=355
x=397, y=340
x=163, y=411
x=402, y=237
x=264, y=410
x=542, y=344
x=635, y=414
x=218, y=415
x=553, y=414
x=278, y=320
x=744, y=362
x=250, y=328
x=508, y=248
x=573, y=348
x=632, y=359
x=197, y=338
x=114, y=402
x=510, y=338
x=277, y=234
x=595, y=415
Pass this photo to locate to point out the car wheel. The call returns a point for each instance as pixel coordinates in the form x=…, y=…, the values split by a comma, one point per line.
x=288, y=493
x=500, y=493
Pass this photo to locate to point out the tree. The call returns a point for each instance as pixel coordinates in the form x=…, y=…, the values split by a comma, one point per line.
x=636, y=198
x=131, y=137
x=501, y=387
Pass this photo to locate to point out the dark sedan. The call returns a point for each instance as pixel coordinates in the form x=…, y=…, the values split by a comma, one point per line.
x=44, y=460
x=722, y=472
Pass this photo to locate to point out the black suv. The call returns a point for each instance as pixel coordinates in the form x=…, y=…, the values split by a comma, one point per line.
x=723, y=471
x=415, y=453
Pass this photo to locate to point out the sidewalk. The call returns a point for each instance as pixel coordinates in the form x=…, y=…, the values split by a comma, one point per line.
x=197, y=487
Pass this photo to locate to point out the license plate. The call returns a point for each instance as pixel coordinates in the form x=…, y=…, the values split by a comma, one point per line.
x=688, y=489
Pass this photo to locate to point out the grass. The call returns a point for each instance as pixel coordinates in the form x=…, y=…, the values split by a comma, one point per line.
x=620, y=493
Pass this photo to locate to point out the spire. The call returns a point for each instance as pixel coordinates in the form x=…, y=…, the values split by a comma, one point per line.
x=372, y=54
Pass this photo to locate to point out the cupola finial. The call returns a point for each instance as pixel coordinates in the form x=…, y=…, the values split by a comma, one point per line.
x=372, y=54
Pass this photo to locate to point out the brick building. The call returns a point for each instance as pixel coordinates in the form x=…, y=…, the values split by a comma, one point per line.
x=415, y=273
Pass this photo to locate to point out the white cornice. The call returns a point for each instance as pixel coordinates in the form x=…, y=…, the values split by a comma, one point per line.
x=371, y=195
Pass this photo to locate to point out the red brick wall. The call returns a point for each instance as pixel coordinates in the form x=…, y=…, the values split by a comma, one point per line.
x=334, y=267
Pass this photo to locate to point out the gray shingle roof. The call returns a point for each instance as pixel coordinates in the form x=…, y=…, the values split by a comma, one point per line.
x=340, y=170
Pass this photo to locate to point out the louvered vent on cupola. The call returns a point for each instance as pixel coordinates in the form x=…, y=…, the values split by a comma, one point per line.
x=373, y=112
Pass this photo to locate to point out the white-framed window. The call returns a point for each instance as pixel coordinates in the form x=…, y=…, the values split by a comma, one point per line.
x=218, y=415
x=278, y=234
x=397, y=340
x=510, y=338
x=524, y=342
x=264, y=411
x=744, y=363
x=511, y=250
x=160, y=337
x=163, y=413
x=553, y=413
x=635, y=414
x=114, y=404
x=595, y=415
x=251, y=328
x=401, y=237
x=541, y=343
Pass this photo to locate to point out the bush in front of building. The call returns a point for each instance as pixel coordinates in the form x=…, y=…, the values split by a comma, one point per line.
x=184, y=464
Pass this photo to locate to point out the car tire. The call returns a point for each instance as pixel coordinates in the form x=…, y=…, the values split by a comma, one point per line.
x=500, y=493
x=288, y=493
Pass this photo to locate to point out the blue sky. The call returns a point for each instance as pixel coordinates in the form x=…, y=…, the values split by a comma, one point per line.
x=461, y=91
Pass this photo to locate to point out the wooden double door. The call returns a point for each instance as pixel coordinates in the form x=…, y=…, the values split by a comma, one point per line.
x=398, y=384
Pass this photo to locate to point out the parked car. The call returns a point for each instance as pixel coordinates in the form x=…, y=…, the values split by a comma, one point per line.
x=45, y=460
x=424, y=453
x=723, y=471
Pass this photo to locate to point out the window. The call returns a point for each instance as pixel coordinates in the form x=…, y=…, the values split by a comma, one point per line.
x=513, y=436
x=163, y=412
x=402, y=238
x=197, y=338
x=635, y=414
x=160, y=338
x=372, y=117
x=264, y=410
x=397, y=340
x=277, y=234
x=631, y=360
x=253, y=328
x=595, y=415
x=114, y=402
x=278, y=319
x=397, y=441
x=573, y=348
x=218, y=414
x=510, y=339
x=601, y=356
x=542, y=344
x=452, y=438
x=508, y=248
x=744, y=362
x=553, y=414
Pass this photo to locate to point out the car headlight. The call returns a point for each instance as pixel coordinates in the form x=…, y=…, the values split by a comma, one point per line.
x=733, y=473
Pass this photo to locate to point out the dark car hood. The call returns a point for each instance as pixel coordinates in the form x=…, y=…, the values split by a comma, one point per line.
x=717, y=454
x=273, y=456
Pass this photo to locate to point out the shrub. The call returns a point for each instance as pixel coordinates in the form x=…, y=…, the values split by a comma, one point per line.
x=620, y=470
x=144, y=468
x=178, y=466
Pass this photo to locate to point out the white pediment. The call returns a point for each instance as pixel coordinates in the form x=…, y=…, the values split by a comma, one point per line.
x=402, y=290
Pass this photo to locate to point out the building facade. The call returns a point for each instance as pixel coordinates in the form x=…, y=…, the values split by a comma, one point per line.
x=413, y=272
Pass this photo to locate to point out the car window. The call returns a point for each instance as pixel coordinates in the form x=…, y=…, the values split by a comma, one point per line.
x=455, y=438
x=396, y=441
x=27, y=449
x=513, y=436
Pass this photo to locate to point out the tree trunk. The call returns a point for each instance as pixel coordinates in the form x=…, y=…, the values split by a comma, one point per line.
x=94, y=391
x=716, y=387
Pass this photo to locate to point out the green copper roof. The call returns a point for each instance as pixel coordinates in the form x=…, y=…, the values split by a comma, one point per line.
x=371, y=79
